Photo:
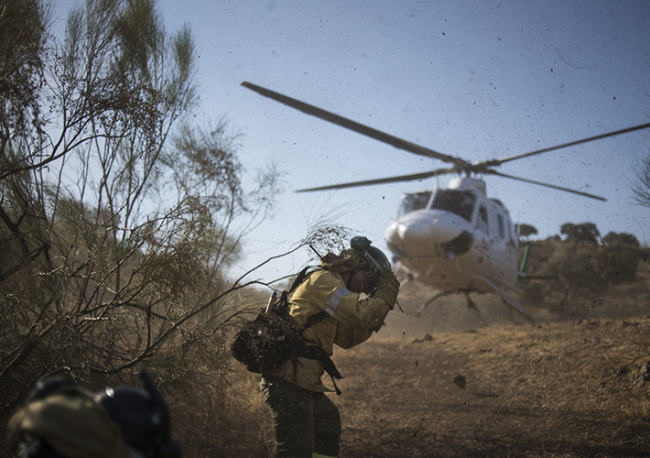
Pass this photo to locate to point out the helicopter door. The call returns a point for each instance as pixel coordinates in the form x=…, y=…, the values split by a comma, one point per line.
x=504, y=248
x=512, y=236
x=501, y=227
x=498, y=234
x=500, y=239
x=482, y=221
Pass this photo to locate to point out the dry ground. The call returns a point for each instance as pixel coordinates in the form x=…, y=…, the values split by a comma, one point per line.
x=456, y=383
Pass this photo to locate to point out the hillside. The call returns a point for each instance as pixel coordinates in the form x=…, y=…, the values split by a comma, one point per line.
x=567, y=389
x=454, y=382
x=547, y=390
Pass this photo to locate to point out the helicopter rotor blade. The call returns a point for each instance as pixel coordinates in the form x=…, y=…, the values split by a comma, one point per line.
x=526, y=180
x=412, y=177
x=495, y=162
x=353, y=125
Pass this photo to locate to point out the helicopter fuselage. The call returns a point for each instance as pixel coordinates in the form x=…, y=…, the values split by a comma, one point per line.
x=456, y=239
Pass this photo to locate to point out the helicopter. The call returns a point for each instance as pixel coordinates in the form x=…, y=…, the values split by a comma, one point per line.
x=455, y=239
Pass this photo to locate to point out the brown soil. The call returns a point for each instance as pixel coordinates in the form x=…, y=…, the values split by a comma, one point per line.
x=454, y=382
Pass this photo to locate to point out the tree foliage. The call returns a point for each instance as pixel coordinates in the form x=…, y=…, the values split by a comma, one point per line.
x=620, y=240
x=22, y=45
x=116, y=214
x=583, y=268
x=525, y=230
x=581, y=233
x=641, y=185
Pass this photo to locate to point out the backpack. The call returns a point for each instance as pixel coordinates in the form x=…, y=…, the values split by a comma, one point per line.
x=271, y=339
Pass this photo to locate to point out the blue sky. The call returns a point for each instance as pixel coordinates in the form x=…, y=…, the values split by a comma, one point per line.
x=475, y=79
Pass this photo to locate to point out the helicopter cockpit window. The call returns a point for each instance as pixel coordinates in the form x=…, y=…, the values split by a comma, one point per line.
x=413, y=201
x=482, y=220
x=458, y=202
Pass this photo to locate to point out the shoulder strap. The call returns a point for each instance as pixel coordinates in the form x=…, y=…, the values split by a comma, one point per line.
x=283, y=302
x=282, y=305
x=304, y=273
x=316, y=317
x=313, y=351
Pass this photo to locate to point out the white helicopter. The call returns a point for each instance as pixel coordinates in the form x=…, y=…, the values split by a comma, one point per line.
x=457, y=240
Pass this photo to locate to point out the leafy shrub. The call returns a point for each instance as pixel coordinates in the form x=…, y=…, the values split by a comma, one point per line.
x=619, y=264
x=581, y=267
x=577, y=266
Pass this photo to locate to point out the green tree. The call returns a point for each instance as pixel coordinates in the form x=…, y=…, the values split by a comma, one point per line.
x=623, y=239
x=581, y=233
x=619, y=257
x=525, y=230
x=22, y=46
x=116, y=214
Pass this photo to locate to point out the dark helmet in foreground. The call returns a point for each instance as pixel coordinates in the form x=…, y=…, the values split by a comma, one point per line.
x=143, y=416
x=62, y=420
x=48, y=385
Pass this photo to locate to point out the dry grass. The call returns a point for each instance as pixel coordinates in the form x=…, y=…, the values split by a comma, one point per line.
x=227, y=422
x=553, y=390
x=569, y=384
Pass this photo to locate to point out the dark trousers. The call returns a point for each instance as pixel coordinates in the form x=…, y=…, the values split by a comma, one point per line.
x=303, y=421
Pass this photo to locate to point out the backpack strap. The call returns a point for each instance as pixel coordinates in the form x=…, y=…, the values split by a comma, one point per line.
x=312, y=320
x=313, y=352
x=319, y=354
x=304, y=273
x=282, y=305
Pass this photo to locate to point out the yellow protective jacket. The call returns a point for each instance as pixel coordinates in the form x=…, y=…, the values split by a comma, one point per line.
x=353, y=318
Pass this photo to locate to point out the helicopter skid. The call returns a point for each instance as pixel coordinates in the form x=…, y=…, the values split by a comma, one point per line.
x=456, y=276
x=505, y=297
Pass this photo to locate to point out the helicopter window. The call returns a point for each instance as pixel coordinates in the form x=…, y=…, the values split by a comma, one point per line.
x=510, y=234
x=501, y=226
x=412, y=202
x=482, y=221
x=458, y=202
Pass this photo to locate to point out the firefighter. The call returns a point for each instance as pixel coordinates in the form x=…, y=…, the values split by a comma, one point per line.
x=62, y=420
x=357, y=289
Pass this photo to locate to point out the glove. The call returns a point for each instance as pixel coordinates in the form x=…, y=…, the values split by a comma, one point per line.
x=388, y=277
x=387, y=288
